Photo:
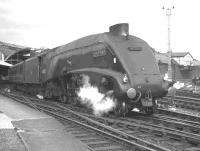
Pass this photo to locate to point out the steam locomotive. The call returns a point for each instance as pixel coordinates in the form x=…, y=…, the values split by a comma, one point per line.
x=119, y=64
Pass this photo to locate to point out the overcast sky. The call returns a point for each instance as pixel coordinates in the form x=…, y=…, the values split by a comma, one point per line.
x=50, y=23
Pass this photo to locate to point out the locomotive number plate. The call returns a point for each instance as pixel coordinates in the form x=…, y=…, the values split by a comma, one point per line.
x=99, y=53
x=146, y=102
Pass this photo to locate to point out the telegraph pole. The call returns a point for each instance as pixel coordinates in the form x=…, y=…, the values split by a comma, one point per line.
x=169, y=50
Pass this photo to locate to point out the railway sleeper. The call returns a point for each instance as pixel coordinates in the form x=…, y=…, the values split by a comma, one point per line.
x=193, y=141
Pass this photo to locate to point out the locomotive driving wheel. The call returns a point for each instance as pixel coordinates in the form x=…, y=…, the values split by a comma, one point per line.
x=120, y=109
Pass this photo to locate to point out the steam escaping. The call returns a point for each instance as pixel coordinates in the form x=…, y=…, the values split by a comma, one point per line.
x=90, y=96
x=39, y=96
x=166, y=77
x=178, y=85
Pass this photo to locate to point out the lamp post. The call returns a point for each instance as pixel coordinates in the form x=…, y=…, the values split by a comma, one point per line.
x=169, y=50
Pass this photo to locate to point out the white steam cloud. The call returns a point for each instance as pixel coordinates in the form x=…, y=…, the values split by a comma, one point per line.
x=90, y=96
x=166, y=77
x=177, y=85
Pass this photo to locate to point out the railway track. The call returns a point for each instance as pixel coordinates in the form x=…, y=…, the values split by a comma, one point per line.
x=179, y=139
x=187, y=93
x=179, y=113
x=154, y=132
x=189, y=103
x=97, y=136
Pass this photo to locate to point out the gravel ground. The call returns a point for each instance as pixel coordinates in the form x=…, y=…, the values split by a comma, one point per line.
x=9, y=141
x=189, y=112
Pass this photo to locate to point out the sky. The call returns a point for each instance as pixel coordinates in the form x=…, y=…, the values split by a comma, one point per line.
x=51, y=23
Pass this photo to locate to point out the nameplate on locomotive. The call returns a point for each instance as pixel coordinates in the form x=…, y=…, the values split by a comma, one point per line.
x=99, y=53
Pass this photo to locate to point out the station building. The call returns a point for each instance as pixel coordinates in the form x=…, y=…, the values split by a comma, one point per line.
x=184, y=66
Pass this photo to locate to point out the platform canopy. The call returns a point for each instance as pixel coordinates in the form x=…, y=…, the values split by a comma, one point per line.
x=18, y=56
x=2, y=63
x=14, y=53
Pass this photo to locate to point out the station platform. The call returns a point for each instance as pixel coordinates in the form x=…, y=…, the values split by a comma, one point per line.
x=25, y=129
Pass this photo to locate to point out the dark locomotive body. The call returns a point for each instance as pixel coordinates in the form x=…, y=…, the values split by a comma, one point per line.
x=115, y=61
